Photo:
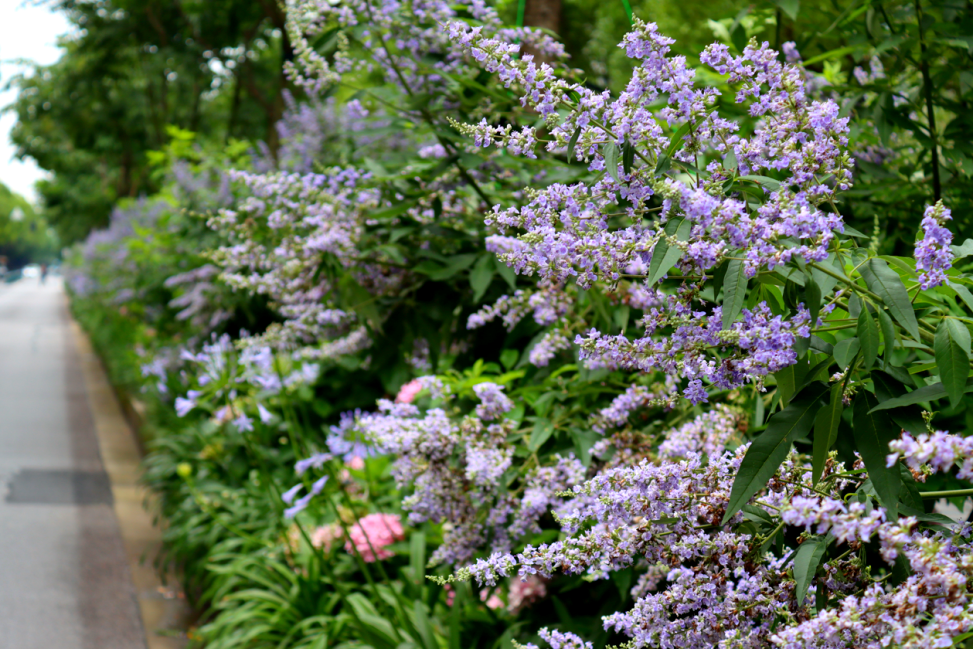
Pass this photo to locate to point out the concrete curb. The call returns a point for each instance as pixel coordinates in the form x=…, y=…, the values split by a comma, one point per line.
x=164, y=613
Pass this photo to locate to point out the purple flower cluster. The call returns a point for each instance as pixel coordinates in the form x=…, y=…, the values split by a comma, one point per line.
x=707, y=586
x=708, y=434
x=929, y=609
x=940, y=451
x=563, y=231
x=454, y=467
x=560, y=640
x=760, y=344
x=633, y=398
x=404, y=42
x=493, y=402
x=933, y=254
x=282, y=234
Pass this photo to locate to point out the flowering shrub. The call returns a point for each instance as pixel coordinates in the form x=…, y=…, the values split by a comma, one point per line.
x=636, y=375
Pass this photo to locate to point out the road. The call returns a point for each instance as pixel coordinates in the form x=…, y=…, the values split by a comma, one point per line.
x=64, y=579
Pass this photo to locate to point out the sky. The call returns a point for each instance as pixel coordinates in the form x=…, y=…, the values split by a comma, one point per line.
x=26, y=32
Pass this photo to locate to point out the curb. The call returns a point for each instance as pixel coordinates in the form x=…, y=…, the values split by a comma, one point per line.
x=164, y=613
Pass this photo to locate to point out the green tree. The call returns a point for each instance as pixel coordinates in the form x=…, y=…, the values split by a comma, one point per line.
x=24, y=234
x=129, y=70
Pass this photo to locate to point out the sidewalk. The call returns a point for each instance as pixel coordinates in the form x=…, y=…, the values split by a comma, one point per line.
x=72, y=524
x=162, y=609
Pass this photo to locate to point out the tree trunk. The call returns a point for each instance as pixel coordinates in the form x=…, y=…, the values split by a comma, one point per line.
x=545, y=14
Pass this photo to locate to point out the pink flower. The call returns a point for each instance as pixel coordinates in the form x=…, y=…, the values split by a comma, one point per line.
x=325, y=536
x=493, y=601
x=525, y=592
x=409, y=391
x=356, y=463
x=374, y=532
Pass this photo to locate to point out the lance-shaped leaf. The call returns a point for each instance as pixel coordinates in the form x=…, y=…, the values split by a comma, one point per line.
x=963, y=293
x=890, y=385
x=664, y=256
x=845, y=351
x=952, y=346
x=873, y=431
x=770, y=449
x=888, y=334
x=628, y=156
x=610, y=151
x=789, y=7
x=806, y=562
x=481, y=275
x=868, y=337
x=734, y=291
x=573, y=142
x=922, y=395
x=675, y=141
x=886, y=283
x=812, y=299
x=825, y=281
x=826, y=430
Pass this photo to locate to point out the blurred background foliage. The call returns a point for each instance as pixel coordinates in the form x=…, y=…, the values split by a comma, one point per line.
x=131, y=69
x=24, y=234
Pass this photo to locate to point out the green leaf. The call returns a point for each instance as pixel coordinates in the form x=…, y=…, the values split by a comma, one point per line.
x=963, y=250
x=424, y=626
x=812, y=299
x=963, y=293
x=786, y=384
x=573, y=142
x=826, y=430
x=395, y=210
x=845, y=351
x=674, y=143
x=888, y=334
x=770, y=449
x=952, y=346
x=664, y=257
x=891, y=385
x=806, y=562
x=928, y=393
x=825, y=281
x=453, y=266
x=759, y=515
x=789, y=7
x=543, y=428
x=417, y=560
x=355, y=297
x=841, y=51
x=868, y=337
x=377, y=629
x=873, y=431
x=628, y=156
x=886, y=283
x=506, y=272
x=482, y=275
x=734, y=291
x=610, y=151
x=764, y=181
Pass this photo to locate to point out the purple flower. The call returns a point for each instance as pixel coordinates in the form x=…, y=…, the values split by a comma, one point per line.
x=243, y=423
x=933, y=254
x=289, y=495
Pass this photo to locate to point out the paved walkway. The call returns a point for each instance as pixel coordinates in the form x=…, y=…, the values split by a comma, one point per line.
x=66, y=569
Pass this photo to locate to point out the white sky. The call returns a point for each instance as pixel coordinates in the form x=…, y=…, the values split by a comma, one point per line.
x=26, y=32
